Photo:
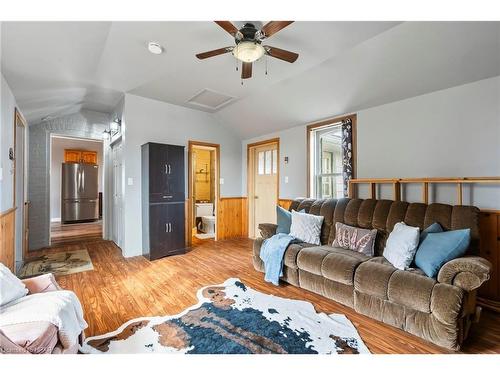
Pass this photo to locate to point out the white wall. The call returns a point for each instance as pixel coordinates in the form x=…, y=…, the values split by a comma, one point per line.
x=8, y=105
x=293, y=145
x=146, y=120
x=57, y=158
x=7, y=113
x=452, y=132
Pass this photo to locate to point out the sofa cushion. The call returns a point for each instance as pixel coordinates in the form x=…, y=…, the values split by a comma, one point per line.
x=372, y=278
x=310, y=259
x=291, y=253
x=332, y=263
x=411, y=290
x=340, y=265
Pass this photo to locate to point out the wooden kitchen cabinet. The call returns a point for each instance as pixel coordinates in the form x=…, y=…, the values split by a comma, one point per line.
x=80, y=156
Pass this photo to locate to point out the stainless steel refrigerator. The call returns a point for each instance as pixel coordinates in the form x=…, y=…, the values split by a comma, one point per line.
x=80, y=196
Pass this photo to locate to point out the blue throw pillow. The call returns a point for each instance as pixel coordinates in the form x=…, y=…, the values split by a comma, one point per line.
x=284, y=220
x=433, y=228
x=438, y=248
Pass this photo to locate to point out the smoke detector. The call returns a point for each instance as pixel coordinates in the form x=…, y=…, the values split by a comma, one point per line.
x=155, y=48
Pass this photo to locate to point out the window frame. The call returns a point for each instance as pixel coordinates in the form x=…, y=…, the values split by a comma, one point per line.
x=310, y=131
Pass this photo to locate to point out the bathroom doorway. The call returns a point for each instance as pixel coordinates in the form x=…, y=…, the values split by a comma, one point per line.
x=203, y=165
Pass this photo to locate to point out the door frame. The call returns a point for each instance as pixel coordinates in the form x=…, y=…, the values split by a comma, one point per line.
x=189, y=201
x=250, y=179
x=21, y=122
x=104, y=165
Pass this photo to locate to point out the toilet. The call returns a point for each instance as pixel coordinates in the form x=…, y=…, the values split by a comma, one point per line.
x=205, y=211
x=208, y=224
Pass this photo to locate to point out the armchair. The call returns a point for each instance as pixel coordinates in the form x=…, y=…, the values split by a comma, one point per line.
x=35, y=337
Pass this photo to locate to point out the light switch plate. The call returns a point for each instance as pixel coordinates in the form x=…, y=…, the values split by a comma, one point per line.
x=130, y=181
x=286, y=179
x=222, y=181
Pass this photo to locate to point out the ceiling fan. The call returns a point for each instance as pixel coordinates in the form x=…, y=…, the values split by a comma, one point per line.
x=249, y=48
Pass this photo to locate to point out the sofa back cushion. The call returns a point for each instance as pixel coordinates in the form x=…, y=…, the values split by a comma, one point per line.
x=383, y=214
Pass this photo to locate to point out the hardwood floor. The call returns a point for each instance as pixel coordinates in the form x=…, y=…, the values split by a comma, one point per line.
x=120, y=289
x=67, y=233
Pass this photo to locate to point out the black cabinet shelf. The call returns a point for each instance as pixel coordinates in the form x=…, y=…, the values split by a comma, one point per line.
x=163, y=195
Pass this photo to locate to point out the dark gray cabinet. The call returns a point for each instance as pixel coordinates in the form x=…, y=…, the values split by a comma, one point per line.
x=163, y=196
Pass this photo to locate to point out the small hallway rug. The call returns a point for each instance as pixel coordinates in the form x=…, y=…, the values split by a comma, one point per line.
x=234, y=319
x=63, y=263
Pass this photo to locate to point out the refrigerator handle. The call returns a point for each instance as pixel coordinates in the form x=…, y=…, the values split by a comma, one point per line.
x=83, y=179
x=78, y=177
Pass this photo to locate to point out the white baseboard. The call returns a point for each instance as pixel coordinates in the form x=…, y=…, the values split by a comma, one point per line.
x=55, y=219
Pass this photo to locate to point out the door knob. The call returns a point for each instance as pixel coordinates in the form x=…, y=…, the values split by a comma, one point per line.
x=256, y=197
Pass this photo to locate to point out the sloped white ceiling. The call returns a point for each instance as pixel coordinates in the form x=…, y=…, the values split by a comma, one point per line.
x=55, y=68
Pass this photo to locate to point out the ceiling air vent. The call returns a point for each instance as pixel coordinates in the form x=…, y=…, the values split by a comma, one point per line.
x=210, y=100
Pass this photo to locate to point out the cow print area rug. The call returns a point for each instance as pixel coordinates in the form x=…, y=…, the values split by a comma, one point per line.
x=233, y=318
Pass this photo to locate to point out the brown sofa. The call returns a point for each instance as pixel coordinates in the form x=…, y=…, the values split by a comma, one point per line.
x=438, y=310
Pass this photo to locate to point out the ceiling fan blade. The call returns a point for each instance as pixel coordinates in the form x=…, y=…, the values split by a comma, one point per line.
x=281, y=54
x=214, y=52
x=273, y=27
x=228, y=26
x=246, y=70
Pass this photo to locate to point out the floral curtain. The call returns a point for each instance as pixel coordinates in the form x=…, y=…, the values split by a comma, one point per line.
x=347, y=157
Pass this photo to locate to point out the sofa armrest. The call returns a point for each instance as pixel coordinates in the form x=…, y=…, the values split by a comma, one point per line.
x=267, y=230
x=41, y=284
x=468, y=273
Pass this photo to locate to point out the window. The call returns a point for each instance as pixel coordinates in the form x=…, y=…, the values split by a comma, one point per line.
x=326, y=161
x=267, y=162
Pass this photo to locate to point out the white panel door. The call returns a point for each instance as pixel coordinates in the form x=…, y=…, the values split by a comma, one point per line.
x=265, y=181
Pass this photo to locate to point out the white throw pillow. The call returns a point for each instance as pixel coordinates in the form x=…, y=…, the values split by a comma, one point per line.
x=306, y=227
x=11, y=288
x=402, y=245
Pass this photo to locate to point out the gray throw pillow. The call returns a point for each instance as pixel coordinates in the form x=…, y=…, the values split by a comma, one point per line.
x=353, y=238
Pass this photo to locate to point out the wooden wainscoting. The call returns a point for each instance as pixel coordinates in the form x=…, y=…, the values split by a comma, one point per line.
x=285, y=203
x=233, y=217
x=7, y=236
x=489, y=227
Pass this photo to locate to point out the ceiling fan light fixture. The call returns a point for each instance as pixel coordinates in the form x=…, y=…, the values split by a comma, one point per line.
x=248, y=51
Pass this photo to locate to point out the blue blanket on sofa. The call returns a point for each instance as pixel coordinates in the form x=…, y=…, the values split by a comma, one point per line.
x=271, y=253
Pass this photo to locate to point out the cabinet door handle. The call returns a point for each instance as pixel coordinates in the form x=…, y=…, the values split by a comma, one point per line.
x=170, y=226
x=169, y=169
x=166, y=228
x=166, y=168
x=167, y=196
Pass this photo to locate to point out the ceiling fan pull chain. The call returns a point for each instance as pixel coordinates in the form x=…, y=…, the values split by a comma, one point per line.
x=266, y=65
x=236, y=63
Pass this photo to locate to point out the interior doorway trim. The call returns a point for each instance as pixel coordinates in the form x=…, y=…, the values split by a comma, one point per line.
x=250, y=186
x=19, y=121
x=190, y=198
x=105, y=184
